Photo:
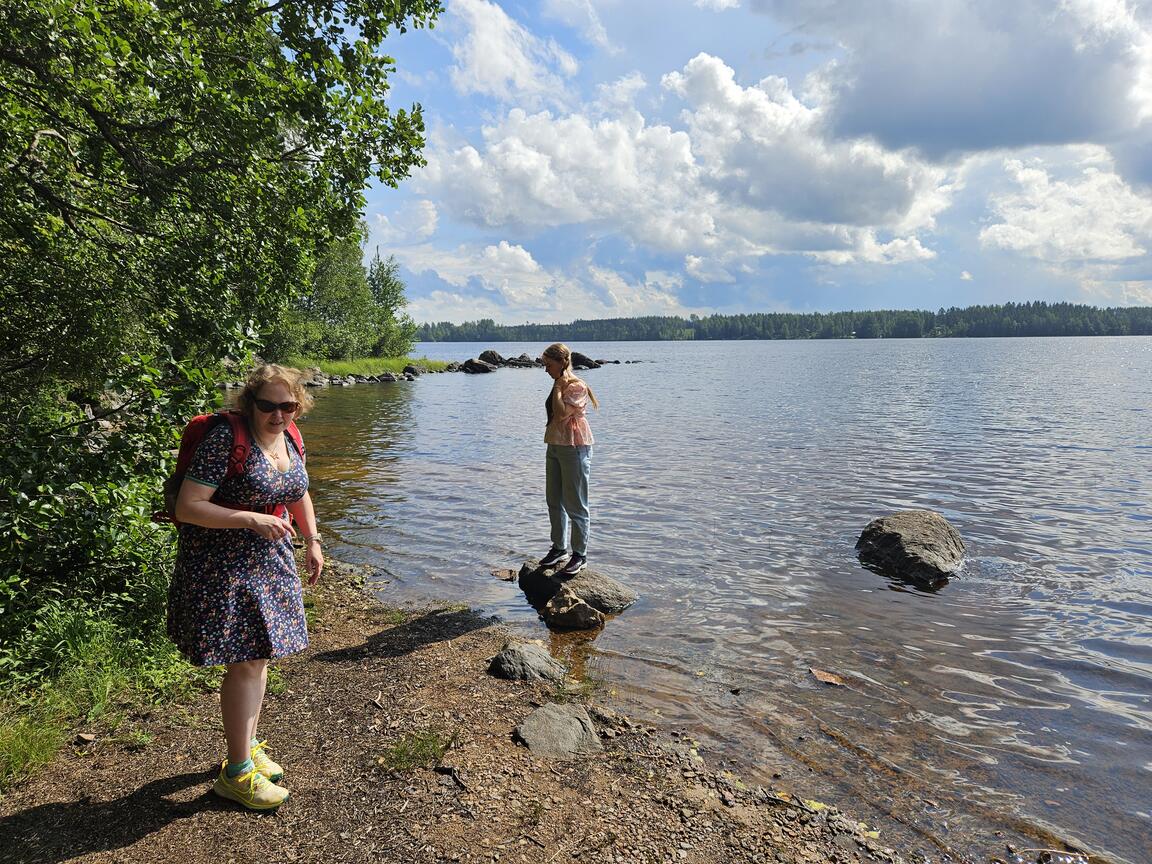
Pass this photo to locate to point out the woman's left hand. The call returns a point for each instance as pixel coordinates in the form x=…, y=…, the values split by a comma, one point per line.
x=314, y=562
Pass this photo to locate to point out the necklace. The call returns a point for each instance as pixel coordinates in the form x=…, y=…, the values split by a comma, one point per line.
x=271, y=451
x=268, y=448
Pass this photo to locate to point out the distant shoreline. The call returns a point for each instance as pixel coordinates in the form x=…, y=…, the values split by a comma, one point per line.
x=974, y=322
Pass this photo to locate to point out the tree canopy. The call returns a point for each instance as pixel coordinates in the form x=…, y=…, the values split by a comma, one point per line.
x=170, y=168
x=346, y=311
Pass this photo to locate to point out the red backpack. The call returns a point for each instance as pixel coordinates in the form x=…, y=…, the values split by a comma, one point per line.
x=190, y=439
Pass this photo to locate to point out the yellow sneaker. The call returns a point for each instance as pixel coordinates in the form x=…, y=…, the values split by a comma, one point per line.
x=252, y=789
x=264, y=764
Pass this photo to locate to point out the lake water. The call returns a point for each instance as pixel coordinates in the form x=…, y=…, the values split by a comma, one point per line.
x=730, y=481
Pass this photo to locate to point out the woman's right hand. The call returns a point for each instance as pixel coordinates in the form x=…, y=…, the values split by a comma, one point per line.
x=271, y=527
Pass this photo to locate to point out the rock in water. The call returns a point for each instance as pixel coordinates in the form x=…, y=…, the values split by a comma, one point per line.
x=599, y=591
x=523, y=661
x=492, y=357
x=917, y=546
x=559, y=732
x=566, y=611
x=474, y=367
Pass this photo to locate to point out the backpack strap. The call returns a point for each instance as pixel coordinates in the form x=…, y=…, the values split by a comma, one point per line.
x=241, y=443
x=297, y=439
x=238, y=457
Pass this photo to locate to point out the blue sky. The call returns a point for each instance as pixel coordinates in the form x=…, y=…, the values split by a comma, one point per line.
x=609, y=158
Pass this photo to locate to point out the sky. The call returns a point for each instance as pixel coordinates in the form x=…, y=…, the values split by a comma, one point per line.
x=616, y=158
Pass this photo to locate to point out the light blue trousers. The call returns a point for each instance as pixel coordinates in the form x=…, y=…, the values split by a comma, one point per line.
x=566, y=486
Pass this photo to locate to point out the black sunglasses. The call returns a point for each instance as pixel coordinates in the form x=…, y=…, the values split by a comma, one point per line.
x=268, y=407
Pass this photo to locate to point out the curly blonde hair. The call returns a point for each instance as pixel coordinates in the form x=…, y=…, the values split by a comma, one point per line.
x=272, y=373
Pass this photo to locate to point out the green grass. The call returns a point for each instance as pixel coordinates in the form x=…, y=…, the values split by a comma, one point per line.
x=395, y=617
x=137, y=739
x=312, y=608
x=415, y=750
x=29, y=739
x=367, y=365
x=277, y=683
x=79, y=669
x=533, y=815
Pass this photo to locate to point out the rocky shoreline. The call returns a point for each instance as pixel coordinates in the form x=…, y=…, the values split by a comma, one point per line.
x=488, y=361
x=400, y=745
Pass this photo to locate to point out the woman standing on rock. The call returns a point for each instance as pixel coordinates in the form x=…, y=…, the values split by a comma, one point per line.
x=567, y=462
x=235, y=598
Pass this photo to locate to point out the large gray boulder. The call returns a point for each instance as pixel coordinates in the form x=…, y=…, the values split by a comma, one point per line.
x=917, y=546
x=583, y=361
x=601, y=592
x=559, y=732
x=477, y=366
x=524, y=661
x=492, y=357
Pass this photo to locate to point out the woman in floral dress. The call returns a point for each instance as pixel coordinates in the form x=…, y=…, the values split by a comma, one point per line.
x=235, y=598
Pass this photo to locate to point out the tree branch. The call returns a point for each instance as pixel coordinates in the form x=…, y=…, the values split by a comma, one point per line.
x=35, y=142
x=95, y=417
x=67, y=207
x=268, y=10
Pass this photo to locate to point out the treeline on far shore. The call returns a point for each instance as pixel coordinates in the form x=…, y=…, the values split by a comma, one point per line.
x=1010, y=319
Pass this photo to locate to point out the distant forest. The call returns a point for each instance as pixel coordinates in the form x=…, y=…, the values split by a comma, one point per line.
x=1010, y=319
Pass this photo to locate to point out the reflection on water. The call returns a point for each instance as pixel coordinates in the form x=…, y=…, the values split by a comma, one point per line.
x=730, y=481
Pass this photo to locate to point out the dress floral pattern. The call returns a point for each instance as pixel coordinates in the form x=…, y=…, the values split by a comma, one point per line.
x=236, y=596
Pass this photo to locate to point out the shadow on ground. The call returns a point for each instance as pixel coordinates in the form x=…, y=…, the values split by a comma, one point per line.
x=434, y=626
x=64, y=830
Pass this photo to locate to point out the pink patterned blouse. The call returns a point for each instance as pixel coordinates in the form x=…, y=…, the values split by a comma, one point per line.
x=567, y=424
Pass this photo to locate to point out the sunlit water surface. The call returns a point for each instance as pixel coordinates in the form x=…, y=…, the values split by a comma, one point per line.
x=730, y=482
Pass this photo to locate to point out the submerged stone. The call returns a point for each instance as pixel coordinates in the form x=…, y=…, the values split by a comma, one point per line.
x=566, y=611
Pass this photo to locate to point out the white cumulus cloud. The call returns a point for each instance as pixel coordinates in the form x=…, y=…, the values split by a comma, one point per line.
x=546, y=171
x=1091, y=216
x=416, y=221
x=761, y=145
x=752, y=172
x=707, y=269
x=499, y=57
x=519, y=291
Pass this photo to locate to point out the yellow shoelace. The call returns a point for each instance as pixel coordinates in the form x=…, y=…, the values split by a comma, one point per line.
x=256, y=780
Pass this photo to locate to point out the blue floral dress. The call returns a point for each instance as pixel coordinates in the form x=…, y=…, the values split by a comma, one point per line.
x=236, y=596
